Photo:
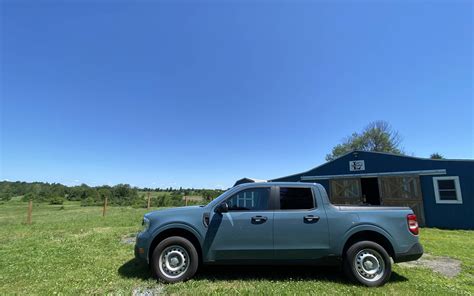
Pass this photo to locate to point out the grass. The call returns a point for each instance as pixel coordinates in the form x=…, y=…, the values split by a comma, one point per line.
x=74, y=250
x=154, y=194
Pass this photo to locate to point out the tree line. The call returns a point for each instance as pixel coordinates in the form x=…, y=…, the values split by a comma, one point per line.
x=118, y=195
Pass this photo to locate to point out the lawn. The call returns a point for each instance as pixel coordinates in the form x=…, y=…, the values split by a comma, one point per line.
x=74, y=250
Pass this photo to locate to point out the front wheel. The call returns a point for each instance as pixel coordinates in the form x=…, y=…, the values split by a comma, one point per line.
x=175, y=259
x=368, y=263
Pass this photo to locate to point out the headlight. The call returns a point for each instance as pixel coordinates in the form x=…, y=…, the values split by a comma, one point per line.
x=145, y=224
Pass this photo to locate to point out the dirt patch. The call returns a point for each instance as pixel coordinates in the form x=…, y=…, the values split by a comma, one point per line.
x=128, y=239
x=86, y=232
x=102, y=229
x=148, y=291
x=446, y=266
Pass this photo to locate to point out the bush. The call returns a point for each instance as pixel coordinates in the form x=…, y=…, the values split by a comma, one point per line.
x=56, y=200
x=87, y=202
x=4, y=197
x=27, y=197
x=140, y=205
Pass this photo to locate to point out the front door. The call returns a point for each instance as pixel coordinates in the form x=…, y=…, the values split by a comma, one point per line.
x=301, y=227
x=245, y=232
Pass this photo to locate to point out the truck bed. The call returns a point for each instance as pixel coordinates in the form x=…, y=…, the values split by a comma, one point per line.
x=368, y=208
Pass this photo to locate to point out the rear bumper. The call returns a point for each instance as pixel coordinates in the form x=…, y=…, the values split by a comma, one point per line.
x=414, y=253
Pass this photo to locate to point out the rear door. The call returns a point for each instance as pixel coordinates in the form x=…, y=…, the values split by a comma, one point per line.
x=300, y=224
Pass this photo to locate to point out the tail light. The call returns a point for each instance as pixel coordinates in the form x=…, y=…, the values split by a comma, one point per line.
x=412, y=224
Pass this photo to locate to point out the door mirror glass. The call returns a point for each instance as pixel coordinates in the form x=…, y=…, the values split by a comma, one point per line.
x=222, y=208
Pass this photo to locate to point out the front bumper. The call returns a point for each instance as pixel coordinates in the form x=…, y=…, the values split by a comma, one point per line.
x=414, y=253
x=141, y=246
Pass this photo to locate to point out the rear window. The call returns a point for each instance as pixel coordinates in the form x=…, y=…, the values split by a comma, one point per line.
x=296, y=198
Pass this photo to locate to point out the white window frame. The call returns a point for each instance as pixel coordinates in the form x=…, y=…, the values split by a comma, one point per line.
x=457, y=186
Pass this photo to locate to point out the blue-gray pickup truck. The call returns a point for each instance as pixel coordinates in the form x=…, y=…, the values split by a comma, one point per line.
x=279, y=223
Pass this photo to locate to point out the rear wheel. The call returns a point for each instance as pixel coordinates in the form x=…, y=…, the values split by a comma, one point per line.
x=368, y=263
x=175, y=259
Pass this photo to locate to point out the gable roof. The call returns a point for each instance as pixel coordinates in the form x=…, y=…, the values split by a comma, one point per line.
x=368, y=152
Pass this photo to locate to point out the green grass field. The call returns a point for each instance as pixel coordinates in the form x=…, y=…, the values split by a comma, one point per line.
x=154, y=194
x=74, y=250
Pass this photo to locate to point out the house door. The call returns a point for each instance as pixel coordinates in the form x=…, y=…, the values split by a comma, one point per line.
x=403, y=191
x=346, y=191
x=370, y=191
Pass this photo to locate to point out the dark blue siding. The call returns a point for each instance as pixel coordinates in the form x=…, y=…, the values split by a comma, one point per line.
x=436, y=215
x=325, y=183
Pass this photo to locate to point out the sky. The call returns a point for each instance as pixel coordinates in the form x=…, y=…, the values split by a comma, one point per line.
x=199, y=94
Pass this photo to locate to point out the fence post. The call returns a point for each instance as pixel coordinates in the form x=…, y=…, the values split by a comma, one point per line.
x=186, y=200
x=105, y=207
x=30, y=210
x=148, y=206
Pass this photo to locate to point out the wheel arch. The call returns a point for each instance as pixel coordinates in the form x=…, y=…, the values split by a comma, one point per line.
x=175, y=230
x=369, y=234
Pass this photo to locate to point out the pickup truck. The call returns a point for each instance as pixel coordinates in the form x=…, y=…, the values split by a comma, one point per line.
x=279, y=223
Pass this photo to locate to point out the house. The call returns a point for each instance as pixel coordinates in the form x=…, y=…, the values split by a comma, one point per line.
x=440, y=192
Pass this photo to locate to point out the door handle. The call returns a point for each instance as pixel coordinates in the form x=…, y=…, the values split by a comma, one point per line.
x=311, y=219
x=259, y=219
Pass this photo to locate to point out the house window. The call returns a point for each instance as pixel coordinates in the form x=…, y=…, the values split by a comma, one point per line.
x=447, y=190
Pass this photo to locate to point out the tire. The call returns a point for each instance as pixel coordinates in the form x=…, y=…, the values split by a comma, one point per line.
x=367, y=263
x=175, y=259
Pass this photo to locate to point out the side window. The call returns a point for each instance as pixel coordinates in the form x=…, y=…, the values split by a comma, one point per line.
x=447, y=190
x=253, y=199
x=296, y=198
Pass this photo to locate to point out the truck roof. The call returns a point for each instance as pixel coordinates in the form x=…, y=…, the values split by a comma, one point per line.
x=253, y=184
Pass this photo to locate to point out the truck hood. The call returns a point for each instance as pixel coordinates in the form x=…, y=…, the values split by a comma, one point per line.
x=175, y=211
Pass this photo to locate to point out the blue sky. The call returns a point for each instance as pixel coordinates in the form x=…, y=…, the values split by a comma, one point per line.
x=199, y=94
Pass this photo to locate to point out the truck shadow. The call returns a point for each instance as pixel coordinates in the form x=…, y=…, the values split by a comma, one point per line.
x=138, y=269
x=135, y=268
x=280, y=273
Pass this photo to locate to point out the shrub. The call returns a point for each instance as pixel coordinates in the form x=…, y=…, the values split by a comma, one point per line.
x=27, y=197
x=4, y=197
x=56, y=200
x=87, y=202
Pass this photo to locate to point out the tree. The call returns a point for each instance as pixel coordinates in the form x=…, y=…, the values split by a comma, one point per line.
x=436, y=155
x=377, y=136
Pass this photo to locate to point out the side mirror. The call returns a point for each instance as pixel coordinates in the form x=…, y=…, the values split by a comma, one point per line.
x=222, y=208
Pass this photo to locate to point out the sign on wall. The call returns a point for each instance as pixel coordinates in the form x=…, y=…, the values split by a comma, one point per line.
x=356, y=165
